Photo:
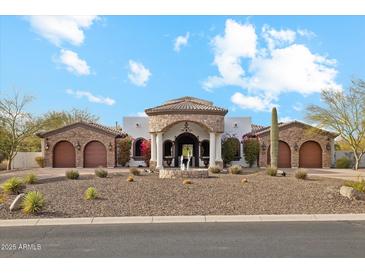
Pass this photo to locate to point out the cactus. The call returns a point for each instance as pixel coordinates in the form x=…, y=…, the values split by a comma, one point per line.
x=274, y=139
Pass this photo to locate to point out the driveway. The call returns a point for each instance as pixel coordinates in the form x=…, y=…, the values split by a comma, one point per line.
x=345, y=174
x=46, y=173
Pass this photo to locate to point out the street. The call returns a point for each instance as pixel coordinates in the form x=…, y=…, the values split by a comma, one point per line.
x=251, y=239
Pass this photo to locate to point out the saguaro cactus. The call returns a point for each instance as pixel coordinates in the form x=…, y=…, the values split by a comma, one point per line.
x=274, y=139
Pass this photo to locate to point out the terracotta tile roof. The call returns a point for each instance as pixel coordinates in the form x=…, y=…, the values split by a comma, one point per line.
x=186, y=105
x=109, y=130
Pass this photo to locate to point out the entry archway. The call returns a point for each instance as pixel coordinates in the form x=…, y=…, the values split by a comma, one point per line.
x=186, y=138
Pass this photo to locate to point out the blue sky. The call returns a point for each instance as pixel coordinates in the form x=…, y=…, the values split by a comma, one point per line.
x=117, y=66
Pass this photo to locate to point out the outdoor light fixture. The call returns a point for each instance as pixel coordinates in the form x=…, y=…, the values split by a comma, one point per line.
x=328, y=146
x=46, y=146
x=296, y=147
x=78, y=146
x=263, y=146
x=110, y=146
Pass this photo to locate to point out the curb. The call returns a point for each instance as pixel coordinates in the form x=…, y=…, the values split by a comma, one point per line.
x=182, y=219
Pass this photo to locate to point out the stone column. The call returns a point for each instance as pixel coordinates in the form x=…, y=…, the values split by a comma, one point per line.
x=153, y=152
x=212, y=145
x=159, y=152
x=218, y=150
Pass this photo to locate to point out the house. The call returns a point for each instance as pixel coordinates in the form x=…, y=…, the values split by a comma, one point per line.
x=183, y=128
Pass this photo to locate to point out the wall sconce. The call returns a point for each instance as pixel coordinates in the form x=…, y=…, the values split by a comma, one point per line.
x=235, y=125
x=78, y=146
x=110, y=146
x=138, y=125
x=46, y=146
x=263, y=147
x=296, y=147
x=328, y=146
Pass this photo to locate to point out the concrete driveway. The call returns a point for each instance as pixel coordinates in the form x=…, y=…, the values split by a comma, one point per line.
x=345, y=174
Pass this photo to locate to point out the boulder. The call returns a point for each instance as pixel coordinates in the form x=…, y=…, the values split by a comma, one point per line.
x=352, y=193
x=15, y=205
x=244, y=180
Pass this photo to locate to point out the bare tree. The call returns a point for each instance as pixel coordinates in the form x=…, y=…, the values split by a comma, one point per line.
x=343, y=112
x=16, y=124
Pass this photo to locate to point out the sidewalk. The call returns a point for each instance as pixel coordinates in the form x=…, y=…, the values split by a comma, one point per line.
x=183, y=219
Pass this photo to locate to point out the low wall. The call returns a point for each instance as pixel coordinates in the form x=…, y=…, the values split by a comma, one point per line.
x=177, y=173
x=24, y=160
x=349, y=155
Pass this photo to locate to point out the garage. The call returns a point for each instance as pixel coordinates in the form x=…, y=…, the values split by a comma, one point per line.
x=64, y=155
x=310, y=155
x=284, y=157
x=95, y=155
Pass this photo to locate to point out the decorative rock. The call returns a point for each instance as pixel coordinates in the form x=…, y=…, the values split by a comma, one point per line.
x=244, y=180
x=281, y=172
x=352, y=193
x=15, y=205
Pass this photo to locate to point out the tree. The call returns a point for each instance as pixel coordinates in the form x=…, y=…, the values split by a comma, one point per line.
x=124, y=150
x=16, y=124
x=229, y=149
x=344, y=113
x=274, y=139
x=251, y=148
x=146, y=151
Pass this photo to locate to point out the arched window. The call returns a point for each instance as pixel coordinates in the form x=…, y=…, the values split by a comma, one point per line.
x=204, y=149
x=137, y=152
x=167, y=148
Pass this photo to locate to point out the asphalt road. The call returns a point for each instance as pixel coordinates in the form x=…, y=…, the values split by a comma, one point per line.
x=269, y=239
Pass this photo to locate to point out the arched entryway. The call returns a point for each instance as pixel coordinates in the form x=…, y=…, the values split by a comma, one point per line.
x=284, y=157
x=183, y=140
x=310, y=155
x=95, y=155
x=64, y=155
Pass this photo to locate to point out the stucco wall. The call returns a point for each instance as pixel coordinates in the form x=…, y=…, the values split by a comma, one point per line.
x=83, y=135
x=25, y=160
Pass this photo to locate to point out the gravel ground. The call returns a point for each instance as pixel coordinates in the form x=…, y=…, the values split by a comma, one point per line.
x=220, y=194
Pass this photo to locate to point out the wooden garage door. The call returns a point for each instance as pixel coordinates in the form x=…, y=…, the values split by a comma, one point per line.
x=64, y=155
x=310, y=155
x=284, y=157
x=95, y=155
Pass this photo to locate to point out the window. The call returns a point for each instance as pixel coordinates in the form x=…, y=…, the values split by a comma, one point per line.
x=167, y=148
x=204, y=149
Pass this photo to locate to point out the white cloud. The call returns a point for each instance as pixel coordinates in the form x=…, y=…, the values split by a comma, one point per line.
x=139, y=75
x=251, y=102
x=181, y=41
x=285, y=119
x=91, y=98
x=238, y=41
x=298, y=106
x=59, y=29
x=280, y=66
x=73, y=62
x=306, y=33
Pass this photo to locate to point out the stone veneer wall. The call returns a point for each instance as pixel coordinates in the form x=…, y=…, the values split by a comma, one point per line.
x=83, y=135
x=213, y=123
x=296, y=133
x=177, y=173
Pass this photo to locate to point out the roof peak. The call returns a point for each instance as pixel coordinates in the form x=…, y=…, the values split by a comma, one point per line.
x=189, y=98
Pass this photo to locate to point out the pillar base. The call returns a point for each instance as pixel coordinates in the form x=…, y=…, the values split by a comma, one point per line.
x=219, y=164
x=153, y=165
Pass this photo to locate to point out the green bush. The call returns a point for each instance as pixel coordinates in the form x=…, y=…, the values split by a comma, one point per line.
x=359, y=186
x=271, y=171
x=251, y=149
x=124, y=148
x=72, y=174
x=30, y=179
x=235, y=169
x=33, y=202
x=230, y=149
x=40, y=161
x=90, y=193
x=301, y=174
x=2, y=198
x=214, y=169
x=343, y=163
x=134, y=171
x=101, y=173
x=13, y=186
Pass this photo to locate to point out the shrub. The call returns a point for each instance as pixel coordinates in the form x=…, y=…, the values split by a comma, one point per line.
x=146, y=151
x=271, y=171
x=230, y=149
x=101, y=173
x=3, y=165
x=343, y=162
x=215, y=169
x=130, y=178
x=187, y=182
x=2, y=198
x=134, y=171
x=301, y=174
x=359, y=186
x=124, y=150
x=251, y=149
x=235, y=169
x=72, y=174
x=30, y=179
x=40, y=161
x=13, y=186
x=90, y=193
x=33, y=202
